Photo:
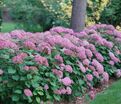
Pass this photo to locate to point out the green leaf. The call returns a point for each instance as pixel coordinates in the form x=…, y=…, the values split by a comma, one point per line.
x=29, y=76
x=15, y=77
x=11, y=70
x=38, y=99
x=15, y=98
x=40, y=93
x=18, y=91
x=57, y=97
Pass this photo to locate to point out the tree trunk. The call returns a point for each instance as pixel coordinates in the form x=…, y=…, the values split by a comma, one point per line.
x=78, y=15
x=0, y=19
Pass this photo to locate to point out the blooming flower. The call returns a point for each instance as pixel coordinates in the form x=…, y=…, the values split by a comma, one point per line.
x=59, y=73
x=41, y=60
x=46, y=87
x=99, y=57
x=113, y=57
x=66, y=81
x=68, y=68
x=105, y=77
x=118, y=73
x=89, y=77
x=1, y=72
x=28, y=92
x=59, y=58
x=92, y=94
x=68, y=90
x=111, y=62
x=82, y=68
x=86, y=62
x=89, y=53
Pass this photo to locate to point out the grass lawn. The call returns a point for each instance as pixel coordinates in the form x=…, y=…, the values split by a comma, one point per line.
x=8, y=26
x=111, y=95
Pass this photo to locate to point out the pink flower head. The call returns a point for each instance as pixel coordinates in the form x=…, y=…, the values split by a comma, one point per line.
x=63, y=91
x=69, y=52
x=41, y=60
x=105, y=77
x=113, y=57
x=26, y=68
x=59, y=58
x=68, y=90
x=118, y=73
x=111, y=62
x=29, y=45
x=86, y=62
x=28, y=92
x=89, y=53
x=59, y=73
x=33, y=68
x=66, y=81
x=68, y=68
x=92, y=94
x=81, y=53
x=46, y=87
x=1, y=72
x=99, y=57
x=99, y=67
x=57, y=92
x=82, y=68
x=17, y=59
x=89, y=77
x=44, y=47
x=95, y=73
x=62, y=67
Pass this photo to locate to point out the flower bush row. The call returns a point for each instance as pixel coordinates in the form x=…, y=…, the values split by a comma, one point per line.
x=57, y=64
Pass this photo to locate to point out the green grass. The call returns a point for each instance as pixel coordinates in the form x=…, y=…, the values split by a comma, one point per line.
x=111, y=95
x=8, y=26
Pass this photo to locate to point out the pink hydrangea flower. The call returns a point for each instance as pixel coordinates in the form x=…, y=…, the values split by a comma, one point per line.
x=69, y=52
x=26, y=68
x=111, y=62
x=68, y=90
x=33, y=68
x=28, y=92
x=41, y=60
x=105, y=77
x=89, y=77
x=44, y=47
x=68, y=68
x=59, y=58
x=82, y=68
x=63, y=91
x=17, y=59
x=99, y=57
x=59, y=73
x=1, y=72
x=118, y=73
x=57, y=92
x=66, y=81
x=92, y=94
x=89, y=53
x=46, y=87
x=29, y=45
x=113, y=57
x=86, y=62
x=95, y=73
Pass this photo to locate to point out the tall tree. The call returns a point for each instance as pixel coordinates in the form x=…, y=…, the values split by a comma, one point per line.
x=1, y=3
x=78, y=15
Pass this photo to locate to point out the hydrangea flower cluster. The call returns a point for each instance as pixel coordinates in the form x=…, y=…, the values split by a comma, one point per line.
x=55, y=61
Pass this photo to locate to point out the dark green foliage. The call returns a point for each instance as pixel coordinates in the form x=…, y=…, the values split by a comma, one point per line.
x=112, y=13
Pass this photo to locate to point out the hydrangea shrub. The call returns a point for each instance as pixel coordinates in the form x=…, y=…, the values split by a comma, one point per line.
x=57, y=64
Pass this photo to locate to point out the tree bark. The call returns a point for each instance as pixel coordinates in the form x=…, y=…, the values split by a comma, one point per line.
x=78, y=15
x=0, y=19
